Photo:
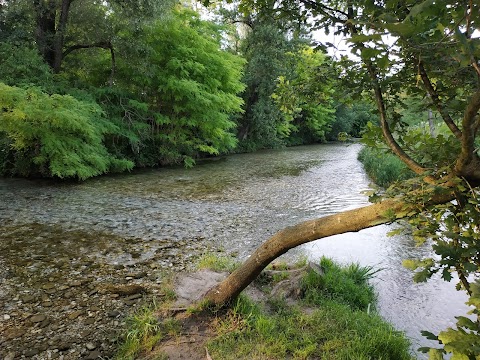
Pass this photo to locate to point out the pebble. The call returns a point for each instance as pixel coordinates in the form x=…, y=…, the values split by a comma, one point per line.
x=75, y=314
x=28, y=298
x=10, y=356
x=113, y=313
x=44, y=323
x=6, y=317
x=94, y=355
x=37, y=318
x=134, y=296
x=91, y=346
x=30, y=352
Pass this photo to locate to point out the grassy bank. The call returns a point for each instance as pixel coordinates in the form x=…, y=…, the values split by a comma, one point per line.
x=323, y=311
x=383, y=168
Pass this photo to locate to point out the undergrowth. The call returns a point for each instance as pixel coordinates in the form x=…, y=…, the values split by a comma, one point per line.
x=383, y=168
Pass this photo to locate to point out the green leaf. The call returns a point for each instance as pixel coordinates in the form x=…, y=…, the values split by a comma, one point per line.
x=429, y=335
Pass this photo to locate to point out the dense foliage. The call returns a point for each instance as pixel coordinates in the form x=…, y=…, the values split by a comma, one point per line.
x=53, y=135
x=168, y=99
x=169, y=84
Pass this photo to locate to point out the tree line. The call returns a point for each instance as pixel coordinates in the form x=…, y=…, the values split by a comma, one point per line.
x=95, y=87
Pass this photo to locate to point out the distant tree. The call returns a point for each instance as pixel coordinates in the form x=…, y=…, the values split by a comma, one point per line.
x=305, y=97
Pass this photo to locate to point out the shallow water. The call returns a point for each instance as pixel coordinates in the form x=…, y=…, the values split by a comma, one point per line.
x=231, y=204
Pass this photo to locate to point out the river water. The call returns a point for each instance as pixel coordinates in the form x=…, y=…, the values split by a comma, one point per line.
x=230, y=204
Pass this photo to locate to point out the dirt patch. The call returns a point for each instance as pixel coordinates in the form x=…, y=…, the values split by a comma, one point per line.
x=191, y=343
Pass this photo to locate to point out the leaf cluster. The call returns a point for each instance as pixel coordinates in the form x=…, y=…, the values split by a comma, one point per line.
x=54, y=136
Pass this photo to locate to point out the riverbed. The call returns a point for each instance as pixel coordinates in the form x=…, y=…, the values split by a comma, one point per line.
x=61, y=244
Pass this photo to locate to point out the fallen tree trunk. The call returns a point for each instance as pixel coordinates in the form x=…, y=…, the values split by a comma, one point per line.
x=291, y=237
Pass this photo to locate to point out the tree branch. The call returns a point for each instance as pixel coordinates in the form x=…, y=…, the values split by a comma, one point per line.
x=436, y=101
x=100, y=44
x=387, y=134
x=324, y=10
x=468, y=163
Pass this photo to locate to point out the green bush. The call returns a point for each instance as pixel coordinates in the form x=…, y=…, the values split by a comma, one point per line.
x=22, y=65
x=53, y=136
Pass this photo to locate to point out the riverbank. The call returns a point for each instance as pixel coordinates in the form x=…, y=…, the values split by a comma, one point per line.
x=64, y=298
x=306, y=311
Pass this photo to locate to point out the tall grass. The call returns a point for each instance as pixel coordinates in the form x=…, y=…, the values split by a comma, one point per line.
x=383, y=168
x=335, y=327
x=348, y=285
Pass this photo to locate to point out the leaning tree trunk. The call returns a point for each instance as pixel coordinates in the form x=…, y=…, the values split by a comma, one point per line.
x=302, y=233
x=284, y=240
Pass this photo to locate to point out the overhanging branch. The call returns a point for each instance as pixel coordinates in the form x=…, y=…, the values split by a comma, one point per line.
x=291, y=237
x=100, y=44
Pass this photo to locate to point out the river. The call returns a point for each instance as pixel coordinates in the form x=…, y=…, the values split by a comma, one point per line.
x=172, y=215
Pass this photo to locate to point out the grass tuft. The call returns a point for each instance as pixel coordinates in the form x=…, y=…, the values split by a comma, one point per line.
x=346, y=285
x=338, y=327
x=217, y=263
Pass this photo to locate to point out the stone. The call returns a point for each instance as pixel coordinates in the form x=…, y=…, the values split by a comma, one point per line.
x=48, y=286
x=94, y=355
x=89, y=321
x=44, y=323
x=113, y=313
x=134, y=296
x=14, y=333
x=75, y=314
x=75, y=283
x=28, y=299
x=31, y=352
x=47, y=304
x=10, y=356
x=64, y=346
x=90, y=346
x=38, y=318
x=6, y=317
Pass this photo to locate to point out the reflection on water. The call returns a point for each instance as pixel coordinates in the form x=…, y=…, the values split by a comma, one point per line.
x=235, y=203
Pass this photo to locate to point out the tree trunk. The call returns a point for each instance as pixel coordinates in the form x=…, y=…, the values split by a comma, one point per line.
x=284, y=240
x=49, y=35
x=60, y=36
x=291, y=237
x=431, y=124
x=45, y=29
